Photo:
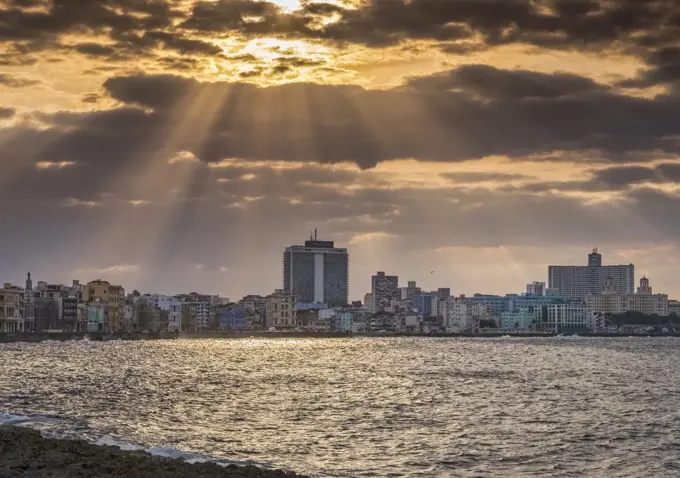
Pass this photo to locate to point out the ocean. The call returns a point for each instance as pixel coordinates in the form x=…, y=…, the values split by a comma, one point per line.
x=563, y=406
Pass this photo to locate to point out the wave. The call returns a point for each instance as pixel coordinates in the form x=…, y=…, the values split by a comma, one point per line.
x=45, y=425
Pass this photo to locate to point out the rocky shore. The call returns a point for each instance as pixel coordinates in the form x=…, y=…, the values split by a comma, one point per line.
x=25, y=453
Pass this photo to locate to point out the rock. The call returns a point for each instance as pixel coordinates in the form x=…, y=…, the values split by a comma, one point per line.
x=26, y=453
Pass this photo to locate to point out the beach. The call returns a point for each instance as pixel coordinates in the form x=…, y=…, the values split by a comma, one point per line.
x=26, y=453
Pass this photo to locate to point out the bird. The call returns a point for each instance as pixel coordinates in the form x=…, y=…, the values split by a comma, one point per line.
x=431, y=272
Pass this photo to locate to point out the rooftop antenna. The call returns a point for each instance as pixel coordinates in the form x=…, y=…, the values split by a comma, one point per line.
x=315, y=234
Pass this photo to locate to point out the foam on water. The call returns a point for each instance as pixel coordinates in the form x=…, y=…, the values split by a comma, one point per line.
x=40, y=422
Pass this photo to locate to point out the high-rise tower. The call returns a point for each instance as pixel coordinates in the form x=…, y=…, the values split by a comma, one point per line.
x=317, y=272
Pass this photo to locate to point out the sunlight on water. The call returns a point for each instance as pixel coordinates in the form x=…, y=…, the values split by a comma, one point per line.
x=364, y=407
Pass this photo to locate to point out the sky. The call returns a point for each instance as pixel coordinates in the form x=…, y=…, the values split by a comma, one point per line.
x=178, y=145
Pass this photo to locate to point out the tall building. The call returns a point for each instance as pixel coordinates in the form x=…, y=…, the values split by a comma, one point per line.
x=317, y=272
x=576, y=282
x=368, y=300
x=29, y=305
x=536, y=288
x=595, y=259
x=410, y=292
x=384, y=289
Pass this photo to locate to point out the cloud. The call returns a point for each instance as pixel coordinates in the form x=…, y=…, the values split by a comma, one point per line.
x=478, y=176
x=493, y=83
x=43, y=165
x=6, y=113
x=12, y=81
x=73, y=202
x=370, y=237
x=117, y=269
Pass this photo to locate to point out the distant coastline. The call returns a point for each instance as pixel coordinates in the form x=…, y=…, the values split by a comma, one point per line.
x=94, y=337
x=26, y=451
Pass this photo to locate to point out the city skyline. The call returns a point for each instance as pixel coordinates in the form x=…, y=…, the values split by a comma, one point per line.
x=403, y=281
x=182, y=144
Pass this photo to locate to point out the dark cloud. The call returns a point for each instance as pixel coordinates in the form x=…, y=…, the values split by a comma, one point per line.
x=15, y=81
x=551, y=23
x=332, y=124
x=476, y=177
x=95, y=49
x=6, y=112
x=489, y=82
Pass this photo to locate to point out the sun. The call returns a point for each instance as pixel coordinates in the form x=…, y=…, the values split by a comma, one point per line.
x=288, y=4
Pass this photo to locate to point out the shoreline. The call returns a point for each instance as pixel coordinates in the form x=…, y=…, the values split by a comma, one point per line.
x=25, y=452
x=31, y=337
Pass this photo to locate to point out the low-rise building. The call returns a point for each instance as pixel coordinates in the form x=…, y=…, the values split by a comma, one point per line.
x=233, y=318
x=526, y=318
x=281, y=310
x=567, y=318
x=611, y=302
x=11, y=318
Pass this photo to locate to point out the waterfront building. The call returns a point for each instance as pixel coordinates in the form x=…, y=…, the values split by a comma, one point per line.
x=281, y=310
x=674, y=307
x=525, y=318
x=516, y=302
x=461, y=315
x=610, y=301
x=233, y=318
x=28, y=305
x=112, y=295
x=576, y=282
x=567, y=318
x=342, y=321
x=498, y=304
x=11, y=302
x=173, y=306
x=317, y=272
x=97, y=311
x=536, y=288
x=201, y=314
x=384, y=289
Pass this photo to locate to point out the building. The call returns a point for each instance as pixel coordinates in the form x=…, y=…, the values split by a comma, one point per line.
x=233, y=318
x=536, y=288
x=368, y=300
x=11, y=318
x=97, y=311
x=645, y=301
x=281, y=310
x=28, y=305
x=317, y=272
x=458, y=315
x=112, y=295
x=567, y=318
x=498, y=304
x=674, y=307
x=410, y=292
x=384, y=289
x=526, y=318
x=611, y=302
x=576, y=282
x=426, y=304
x=444, y=292
x=201, y=314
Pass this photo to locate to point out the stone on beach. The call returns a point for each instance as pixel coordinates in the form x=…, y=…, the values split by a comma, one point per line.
x=26, y=453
